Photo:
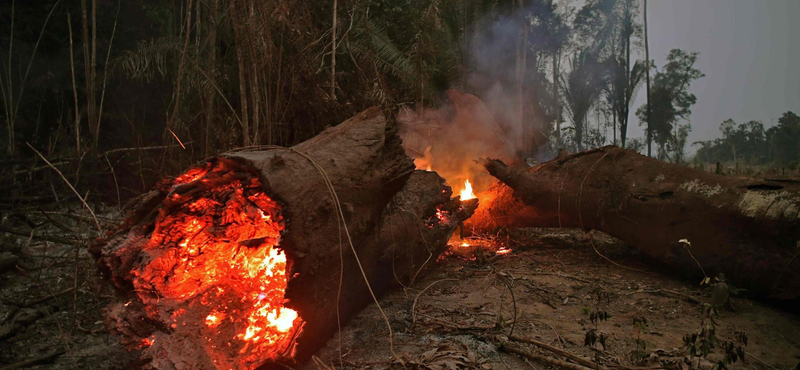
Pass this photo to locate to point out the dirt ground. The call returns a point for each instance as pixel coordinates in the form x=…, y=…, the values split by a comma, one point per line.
x=457, y=316
x=460, y=313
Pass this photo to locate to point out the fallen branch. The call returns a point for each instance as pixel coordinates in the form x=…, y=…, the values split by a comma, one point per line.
x=100, y=229
x=47, y=297
x=35, y=360
x=508, y=347
x=558, y=351
x=27, y=233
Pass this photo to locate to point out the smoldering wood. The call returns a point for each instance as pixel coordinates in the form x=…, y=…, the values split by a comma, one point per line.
x=416, y=227
x=745, y=228
x=390, y=215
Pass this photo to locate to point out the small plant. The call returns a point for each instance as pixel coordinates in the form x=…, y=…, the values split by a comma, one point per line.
x=594, y=336
x=703, y=342
x=639, y=325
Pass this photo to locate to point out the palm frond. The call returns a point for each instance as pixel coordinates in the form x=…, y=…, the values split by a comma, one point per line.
x=370, y=39
x=150, y=57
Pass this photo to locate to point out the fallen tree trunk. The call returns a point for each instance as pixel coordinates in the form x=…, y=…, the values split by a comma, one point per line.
x=747, y=229
x=244, y=261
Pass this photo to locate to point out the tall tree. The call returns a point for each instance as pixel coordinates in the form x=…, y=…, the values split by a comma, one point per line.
x=625, y=80
x=670, y=100
x=582, y=88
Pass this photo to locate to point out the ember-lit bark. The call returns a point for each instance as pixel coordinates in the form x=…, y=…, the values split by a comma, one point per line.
x=290, y=234
x=416, y=226
x=745, y=228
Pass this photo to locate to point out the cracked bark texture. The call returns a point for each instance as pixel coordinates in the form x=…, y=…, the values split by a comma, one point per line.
x=747, y=229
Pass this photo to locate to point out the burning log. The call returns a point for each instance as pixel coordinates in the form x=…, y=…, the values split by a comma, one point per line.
x=236, y=262
x=417, y=225
x=747, y=229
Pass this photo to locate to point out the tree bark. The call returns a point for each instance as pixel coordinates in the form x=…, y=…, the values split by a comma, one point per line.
x=390, y=212
x=647, y=81
x=744, y=228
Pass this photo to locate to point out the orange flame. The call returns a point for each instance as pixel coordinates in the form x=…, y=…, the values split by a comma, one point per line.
x=467, y=192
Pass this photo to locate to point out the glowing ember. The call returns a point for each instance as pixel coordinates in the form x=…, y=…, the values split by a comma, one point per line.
x=467, y=192
x=464, y=244
x=503, y=250
x=441, y=215
x=214, y=319
x=147, y=342
x=214, y=263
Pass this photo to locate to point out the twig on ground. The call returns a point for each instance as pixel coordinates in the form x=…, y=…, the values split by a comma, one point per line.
x=560, y=352
x=100, y=229
x=503, y=277
x=47, y=297
x=27, y=233
x=414, y=305
x=559, y=339
x=451, y=325
x=116, y=184
x=56, y=223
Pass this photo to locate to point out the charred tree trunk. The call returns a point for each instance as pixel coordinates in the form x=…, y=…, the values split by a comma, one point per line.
x=745, y=228
x=416, y=226
x=185, y=313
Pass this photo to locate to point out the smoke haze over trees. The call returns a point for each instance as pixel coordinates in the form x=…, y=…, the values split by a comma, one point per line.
x=81, y=78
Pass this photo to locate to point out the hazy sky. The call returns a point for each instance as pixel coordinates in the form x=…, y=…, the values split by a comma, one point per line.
x=749, y=52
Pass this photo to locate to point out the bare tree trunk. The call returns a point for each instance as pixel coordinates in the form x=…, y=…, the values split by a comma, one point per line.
x=96, y=118
x=647, y=71
x=623, y=134
x=89, y=75
x=240, y=44
x=333, y=52
x=212, y=59
x=254, y=62
x=74, y=90
x=176, y=99
x=9, y=97
x=521, y=63
x=556, y=97
x=614, y=114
